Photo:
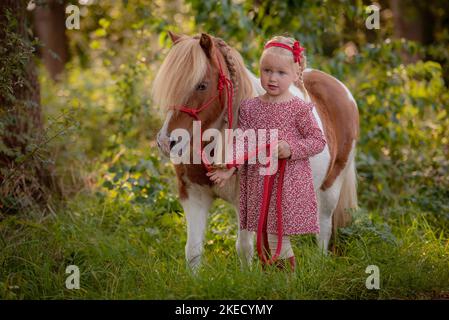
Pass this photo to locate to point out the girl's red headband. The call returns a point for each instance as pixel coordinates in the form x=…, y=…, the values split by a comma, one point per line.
x=296, y=49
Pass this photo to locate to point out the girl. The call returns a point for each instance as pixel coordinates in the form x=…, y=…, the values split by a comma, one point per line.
x=282, y=63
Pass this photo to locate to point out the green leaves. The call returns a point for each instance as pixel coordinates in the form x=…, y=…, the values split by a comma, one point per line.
x=364, y=227
x=140, y=181
x=401, y=131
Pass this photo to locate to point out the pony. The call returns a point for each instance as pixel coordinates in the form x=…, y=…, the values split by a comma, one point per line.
x=190, y=76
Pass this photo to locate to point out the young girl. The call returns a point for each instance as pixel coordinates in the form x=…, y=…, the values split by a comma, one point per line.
x=282, y=63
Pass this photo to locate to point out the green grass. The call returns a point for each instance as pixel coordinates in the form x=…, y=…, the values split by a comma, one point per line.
x=127, y=251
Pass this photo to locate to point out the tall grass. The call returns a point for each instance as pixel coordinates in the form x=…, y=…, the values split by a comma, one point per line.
x=129, y=251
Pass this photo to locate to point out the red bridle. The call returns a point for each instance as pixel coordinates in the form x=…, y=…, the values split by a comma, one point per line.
x=224, y=83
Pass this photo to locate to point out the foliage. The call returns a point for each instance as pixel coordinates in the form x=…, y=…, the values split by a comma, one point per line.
x=403, y=145
x=142, y=183
x=25, y=178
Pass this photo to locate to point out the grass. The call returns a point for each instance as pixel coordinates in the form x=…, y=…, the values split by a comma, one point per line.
x=127, y=251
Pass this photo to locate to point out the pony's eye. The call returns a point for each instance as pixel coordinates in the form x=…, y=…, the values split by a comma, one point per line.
x=202, y=86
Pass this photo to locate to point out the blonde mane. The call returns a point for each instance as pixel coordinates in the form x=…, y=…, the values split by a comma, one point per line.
x=183, y=68
x=240, y=76
x=186, y=65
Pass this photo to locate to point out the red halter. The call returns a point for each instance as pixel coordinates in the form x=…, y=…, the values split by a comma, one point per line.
x=223, y=83
x=296, y=49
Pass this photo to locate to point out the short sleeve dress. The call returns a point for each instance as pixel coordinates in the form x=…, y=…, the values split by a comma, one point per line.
x=297, y=126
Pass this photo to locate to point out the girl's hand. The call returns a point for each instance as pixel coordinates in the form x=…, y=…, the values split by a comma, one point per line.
x=283, y=150
x=219, y=166
x=220, y=176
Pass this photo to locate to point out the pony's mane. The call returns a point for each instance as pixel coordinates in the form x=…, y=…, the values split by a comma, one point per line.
x=186, y=65
x=240, y=76
x=183, y=68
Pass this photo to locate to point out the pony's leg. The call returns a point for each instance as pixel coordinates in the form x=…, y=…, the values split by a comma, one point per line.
x=245, y=239
x=245, y=247
x=327, y=202
x=196, y=207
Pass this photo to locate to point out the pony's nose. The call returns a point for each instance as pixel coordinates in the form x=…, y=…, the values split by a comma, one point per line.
x=172, y=144
x=162, y=143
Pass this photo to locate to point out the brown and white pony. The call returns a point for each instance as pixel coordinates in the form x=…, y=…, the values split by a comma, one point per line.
x=189, y=77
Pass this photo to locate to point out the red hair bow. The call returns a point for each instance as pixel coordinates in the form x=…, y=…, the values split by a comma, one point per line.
x=296, y=49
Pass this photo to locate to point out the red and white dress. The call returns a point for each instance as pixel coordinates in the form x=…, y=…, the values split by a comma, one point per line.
x=297, y=126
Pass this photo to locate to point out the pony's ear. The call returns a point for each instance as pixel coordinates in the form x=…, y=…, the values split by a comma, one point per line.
x=207, y=44
x=173, y=36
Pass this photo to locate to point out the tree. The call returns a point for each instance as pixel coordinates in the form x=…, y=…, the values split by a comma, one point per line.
x=49, y=23
x=24, y=177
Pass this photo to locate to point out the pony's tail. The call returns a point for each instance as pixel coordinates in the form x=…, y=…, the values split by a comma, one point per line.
x=348, y=198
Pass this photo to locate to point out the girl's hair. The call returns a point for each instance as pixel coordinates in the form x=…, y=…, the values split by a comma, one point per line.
x=297, y=67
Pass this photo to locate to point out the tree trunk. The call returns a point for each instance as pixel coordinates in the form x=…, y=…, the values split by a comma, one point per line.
x=24, y=178
x=412, y=21
x=49, y=23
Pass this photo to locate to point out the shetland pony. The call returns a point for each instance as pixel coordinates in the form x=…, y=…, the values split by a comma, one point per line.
x=189, y=76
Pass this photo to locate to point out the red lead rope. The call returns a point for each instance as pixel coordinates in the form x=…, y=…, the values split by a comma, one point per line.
x=225, y=83
x=262, y=239
x=262, y=226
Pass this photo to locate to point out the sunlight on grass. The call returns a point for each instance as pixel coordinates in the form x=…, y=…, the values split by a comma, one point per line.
x=119, y=259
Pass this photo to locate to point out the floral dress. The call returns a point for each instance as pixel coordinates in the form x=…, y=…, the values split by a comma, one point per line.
x=297, y=126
